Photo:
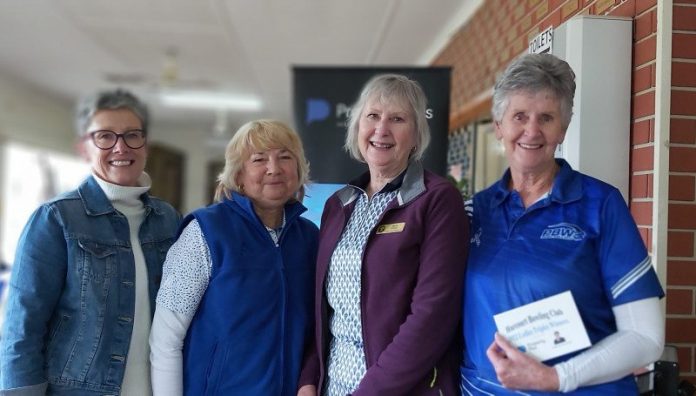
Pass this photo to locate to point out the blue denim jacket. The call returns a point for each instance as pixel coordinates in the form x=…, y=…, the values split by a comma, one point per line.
x=72, y=293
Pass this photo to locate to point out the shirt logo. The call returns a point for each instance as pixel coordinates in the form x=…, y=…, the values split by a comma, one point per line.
x=390, y=228
x=564, y=231
x=476, y=239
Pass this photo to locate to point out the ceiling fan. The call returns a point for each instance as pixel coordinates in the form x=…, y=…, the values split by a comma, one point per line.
x=171, y=90
x=168, y=77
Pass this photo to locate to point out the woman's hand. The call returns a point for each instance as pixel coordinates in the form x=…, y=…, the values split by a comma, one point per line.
x=516, y=370
x=307, y=390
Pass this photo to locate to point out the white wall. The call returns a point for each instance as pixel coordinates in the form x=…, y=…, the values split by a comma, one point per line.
x=33, y=117
x=38, y=119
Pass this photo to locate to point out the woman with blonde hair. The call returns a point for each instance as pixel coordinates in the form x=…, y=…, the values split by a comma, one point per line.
x=234, y=308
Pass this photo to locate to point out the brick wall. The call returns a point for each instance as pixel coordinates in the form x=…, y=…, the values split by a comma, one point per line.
x=501, y=29
x=681, y=259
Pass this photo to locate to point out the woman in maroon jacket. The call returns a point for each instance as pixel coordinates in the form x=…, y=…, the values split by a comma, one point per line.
x=392, y=251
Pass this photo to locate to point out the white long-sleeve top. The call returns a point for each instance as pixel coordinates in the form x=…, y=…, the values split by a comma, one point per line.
x=638, y=341
x=136, y=379
x=185, y=278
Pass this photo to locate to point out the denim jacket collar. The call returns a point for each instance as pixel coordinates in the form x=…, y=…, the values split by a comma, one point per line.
x=96, y=203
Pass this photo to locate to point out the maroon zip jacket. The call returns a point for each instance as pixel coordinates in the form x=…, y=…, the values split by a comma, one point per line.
x=411, y=284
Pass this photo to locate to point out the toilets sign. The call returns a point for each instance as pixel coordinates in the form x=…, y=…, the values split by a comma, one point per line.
x=542, y=43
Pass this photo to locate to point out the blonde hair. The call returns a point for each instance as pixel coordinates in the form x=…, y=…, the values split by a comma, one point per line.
x=254, y=136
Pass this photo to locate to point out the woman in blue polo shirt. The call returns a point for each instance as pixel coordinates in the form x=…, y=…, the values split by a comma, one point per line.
x=544, y=229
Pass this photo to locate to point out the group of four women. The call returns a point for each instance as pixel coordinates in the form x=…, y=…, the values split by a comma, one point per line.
x=253, y=299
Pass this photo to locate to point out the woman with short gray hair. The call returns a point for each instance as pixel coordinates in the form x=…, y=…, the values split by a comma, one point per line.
x=545, y=229
x=88, y=266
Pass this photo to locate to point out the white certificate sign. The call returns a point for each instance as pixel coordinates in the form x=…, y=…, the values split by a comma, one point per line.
x=545, y=329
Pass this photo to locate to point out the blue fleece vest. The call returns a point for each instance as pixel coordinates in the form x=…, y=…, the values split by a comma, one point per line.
x=248, y=334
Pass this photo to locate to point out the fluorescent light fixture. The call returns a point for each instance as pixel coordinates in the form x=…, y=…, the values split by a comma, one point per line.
x=210, y=100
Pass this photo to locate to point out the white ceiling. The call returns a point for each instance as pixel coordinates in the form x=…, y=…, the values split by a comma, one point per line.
x=72, y=47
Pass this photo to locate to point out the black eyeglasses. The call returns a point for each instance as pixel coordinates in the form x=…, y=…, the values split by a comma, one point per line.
x=105, y=139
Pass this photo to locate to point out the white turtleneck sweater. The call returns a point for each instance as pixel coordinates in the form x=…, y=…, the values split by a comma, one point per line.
x=136, y=380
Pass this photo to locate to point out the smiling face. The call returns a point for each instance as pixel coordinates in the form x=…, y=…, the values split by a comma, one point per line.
x=269, y=178
x=121, y=164
x=386, y=136
x=530, y=130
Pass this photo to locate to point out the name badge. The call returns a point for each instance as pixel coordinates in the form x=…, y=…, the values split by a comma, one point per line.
x=390, y=228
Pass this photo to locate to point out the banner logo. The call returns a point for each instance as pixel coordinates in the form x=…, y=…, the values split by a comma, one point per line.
x=317, y=110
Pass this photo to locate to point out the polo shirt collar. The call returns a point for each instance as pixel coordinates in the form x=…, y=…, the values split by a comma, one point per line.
x=567, y=185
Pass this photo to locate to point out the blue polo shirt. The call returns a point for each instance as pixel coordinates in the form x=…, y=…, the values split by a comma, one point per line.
x=580, y=237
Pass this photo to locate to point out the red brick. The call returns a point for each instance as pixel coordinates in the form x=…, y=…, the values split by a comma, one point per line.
x=601, y=6
x=681, y=330
x=642, y=159
x=639, y=186
x=553, y=19
x=682, y=159
x=680, y=301
x=569, y=9
x=684, y=102
x=682, y=216
x=654, y=23
x=683, y=73
x=683, y=18
x=642, y=212
x=646, y=236
x=643, y=104
x=553, y=4
x=644, y=51
x=682, y=130
x=644, y=5
x=643, y=26
x=642, y=132
x=625, y=9
x=680, y=244
x=681, y=273
x=643, y=79
x=684, y=358
x=682, y=188
x=683, y=45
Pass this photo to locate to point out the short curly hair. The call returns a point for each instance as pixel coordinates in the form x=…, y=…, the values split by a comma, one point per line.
x=533, y=73
x=109, y=100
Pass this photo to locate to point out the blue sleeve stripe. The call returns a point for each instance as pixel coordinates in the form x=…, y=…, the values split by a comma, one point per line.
x=624, y=283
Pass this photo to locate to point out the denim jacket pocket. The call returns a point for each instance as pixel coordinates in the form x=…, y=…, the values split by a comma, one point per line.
x=98, y=260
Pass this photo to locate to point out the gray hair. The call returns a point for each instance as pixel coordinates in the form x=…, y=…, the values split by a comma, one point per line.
x=534, y=73
x=108, y=100
x=391, y=88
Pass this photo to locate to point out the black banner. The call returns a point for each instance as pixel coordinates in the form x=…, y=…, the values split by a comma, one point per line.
x=323, y=98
